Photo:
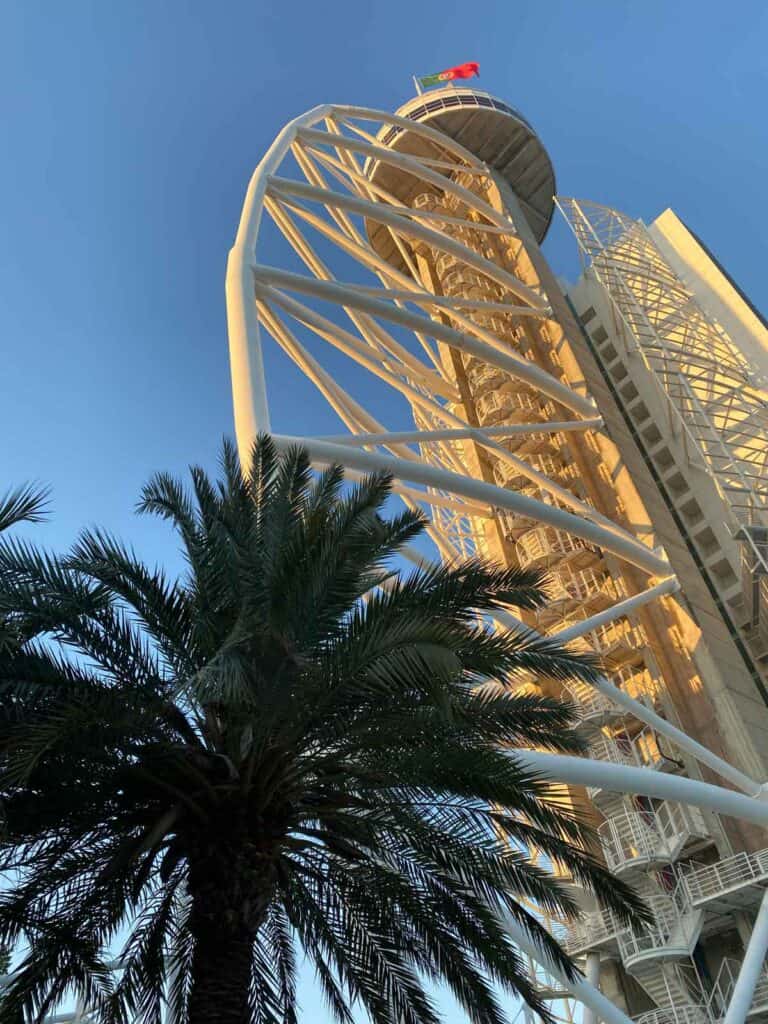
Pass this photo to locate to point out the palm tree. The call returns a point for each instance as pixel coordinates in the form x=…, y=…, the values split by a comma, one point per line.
x=26, y=504
x=293, y=747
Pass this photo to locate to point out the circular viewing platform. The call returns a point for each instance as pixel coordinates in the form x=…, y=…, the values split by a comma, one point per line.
x=494, y=132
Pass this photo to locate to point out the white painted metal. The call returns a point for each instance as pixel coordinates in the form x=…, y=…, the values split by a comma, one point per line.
x=367, y=292
x=425, y=436
x=496, y=497
x=584, y=990
x=622, y=778
x=708, y=882
x=662, y=725
x=348, y=295
x=592, y=974
x=752, y=968
x=631, y=604
x=716, y=398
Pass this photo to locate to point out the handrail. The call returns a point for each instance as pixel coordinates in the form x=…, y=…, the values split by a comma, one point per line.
x=712, y=880
x=635, y=834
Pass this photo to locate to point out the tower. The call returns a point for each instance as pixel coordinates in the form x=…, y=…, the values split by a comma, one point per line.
x=403, y=250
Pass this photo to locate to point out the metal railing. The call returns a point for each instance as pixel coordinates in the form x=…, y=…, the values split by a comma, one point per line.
x=638, y=682
x=640, y=751
x=675, y=1015
x=590, y=702
x=649, y=836
x=722, y=990
x=517, y=406
x=670, y=934
x=617, y=637
x=507, y=473
x=545, y=545
x=591, y=931
x=709, y=881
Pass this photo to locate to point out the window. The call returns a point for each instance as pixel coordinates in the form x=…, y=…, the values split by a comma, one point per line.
x=587, y=315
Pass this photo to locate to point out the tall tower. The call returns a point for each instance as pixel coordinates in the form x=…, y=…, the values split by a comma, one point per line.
x=395, y=260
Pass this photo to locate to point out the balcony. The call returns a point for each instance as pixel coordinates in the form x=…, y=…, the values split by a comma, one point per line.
x=595, y=930
x=539, y=444
x=650, y=838
x=549, y=464
x=732, y=883
x=515, y=525
x=544, y=546
x=599, y=710
x=520, y=406
x=639, y=751
x=588, y=590
x=689, y=1014
x=722, y=990
x=638, y=683
x=619, y=642
x=594, y=709
x=672, y=935
x=484, y=377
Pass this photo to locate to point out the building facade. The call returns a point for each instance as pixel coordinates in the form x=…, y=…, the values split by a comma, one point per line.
x=613, y=436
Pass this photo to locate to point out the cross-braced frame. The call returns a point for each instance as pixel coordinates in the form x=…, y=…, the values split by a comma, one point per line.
x=380, y=255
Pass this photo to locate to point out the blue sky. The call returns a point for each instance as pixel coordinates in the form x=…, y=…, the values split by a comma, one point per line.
x=129, y=130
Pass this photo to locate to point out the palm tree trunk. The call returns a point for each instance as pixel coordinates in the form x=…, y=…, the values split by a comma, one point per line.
x=230, y=887
x=221, y=973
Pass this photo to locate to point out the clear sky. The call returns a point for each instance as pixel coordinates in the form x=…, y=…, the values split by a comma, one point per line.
x=129, y=129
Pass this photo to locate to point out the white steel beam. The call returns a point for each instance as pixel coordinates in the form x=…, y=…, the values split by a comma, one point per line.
x=630, y=550
x=592, y=971
x=347, y=176
x=619, y=778
x=412, y=165
x=475, y=433
x=372, y=360
x=389, y=275
x=288, y=190
x=363, y=253
x=377, y=338
x=337, y=337
x=347, y=408
x=347, y=295
x=670, y=585
x=245, y=356
x=634, y=707
x=455, y=302
x=582, y=989
x=752, y=967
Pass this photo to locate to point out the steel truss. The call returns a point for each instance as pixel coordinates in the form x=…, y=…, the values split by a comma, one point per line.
x=483, y=431
x=718, y=401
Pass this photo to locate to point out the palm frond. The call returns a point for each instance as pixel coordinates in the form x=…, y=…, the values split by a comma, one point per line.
x=294, y=749
x=25, y=504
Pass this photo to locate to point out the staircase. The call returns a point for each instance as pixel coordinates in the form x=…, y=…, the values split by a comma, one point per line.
x=647, y=838
x=681, y=1014
x=668, y=989
x=723, y=989
x=732, y=883
x=639, y=751
x=671, y=936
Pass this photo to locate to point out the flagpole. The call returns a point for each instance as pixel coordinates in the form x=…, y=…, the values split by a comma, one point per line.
x=416, y=82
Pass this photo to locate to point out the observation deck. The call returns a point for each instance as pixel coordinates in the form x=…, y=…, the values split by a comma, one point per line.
x=495, y=133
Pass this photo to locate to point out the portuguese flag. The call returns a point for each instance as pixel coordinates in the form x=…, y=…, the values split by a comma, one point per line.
x=468, y=70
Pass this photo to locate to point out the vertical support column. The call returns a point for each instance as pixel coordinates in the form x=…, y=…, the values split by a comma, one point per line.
x=592, y=974
x=581, y=989
x=751, y=967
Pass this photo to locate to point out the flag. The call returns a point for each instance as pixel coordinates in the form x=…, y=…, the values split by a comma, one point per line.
x=467, y=70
